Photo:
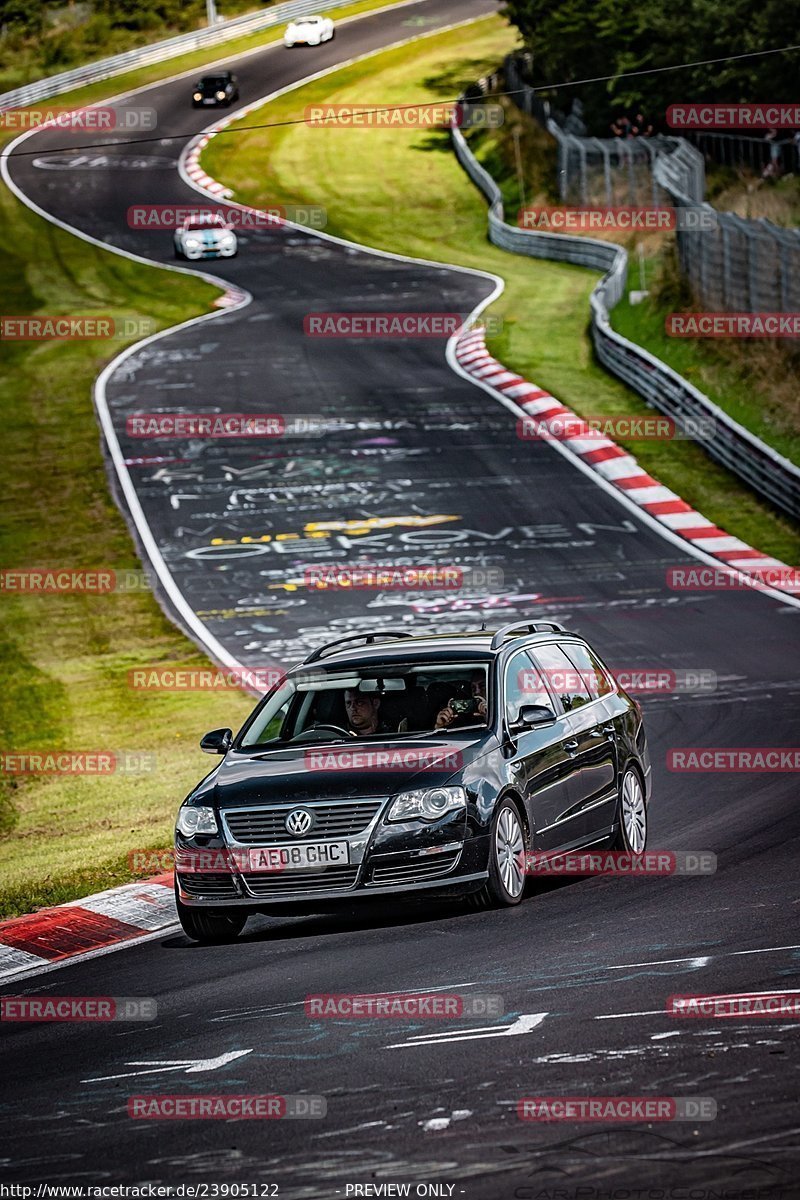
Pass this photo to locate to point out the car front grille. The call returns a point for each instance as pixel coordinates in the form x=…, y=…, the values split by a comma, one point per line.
x=415, y=872
x=204, y=885
x=301, y=882
x=333, y=819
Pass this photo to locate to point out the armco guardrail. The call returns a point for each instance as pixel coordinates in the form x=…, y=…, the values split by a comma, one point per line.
x=104, y=68
x=758, y=465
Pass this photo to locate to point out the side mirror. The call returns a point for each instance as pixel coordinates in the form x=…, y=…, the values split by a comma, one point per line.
x=535, y=716
x=218, y=741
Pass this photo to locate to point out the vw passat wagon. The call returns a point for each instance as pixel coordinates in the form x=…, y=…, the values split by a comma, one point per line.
x=389, y=764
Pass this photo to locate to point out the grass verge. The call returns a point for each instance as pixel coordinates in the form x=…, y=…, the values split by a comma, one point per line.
x=404, y=191
x=65, y=658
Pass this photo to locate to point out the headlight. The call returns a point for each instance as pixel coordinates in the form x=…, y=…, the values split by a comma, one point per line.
x=192, y=820
x=426, y=804
x=192, y=242
x=228, y=236
x=197, y=96
x=220, y=95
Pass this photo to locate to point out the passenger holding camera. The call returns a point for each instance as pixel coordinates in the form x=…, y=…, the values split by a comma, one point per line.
x=463, y=709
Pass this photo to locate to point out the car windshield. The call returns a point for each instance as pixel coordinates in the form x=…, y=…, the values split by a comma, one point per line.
x=214, y=82
x=398, y=699
x=205, y=223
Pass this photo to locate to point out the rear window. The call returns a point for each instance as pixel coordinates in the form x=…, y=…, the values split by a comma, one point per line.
x=591, y=671
x=562, y=675
x=524, y=685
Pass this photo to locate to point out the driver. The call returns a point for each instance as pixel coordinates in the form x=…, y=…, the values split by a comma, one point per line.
x=446, y=716
x=363, y=713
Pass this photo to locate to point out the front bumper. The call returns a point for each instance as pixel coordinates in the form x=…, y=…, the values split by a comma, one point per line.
x=383, y=860
x=313, y=901
x=215, y=251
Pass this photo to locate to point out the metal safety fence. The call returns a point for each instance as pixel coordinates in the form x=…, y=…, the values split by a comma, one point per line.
x=781, y=155
x=732, y=264
x=725, y=440
x=118, y=64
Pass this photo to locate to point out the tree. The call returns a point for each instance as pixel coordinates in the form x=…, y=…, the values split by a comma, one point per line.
x=574, y=41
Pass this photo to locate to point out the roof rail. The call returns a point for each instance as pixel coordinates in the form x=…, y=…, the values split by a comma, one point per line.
x=354, y=637
x=521, y=628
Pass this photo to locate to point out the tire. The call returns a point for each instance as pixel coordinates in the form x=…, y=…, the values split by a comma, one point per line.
x=210, y=926
x=631, y=834
x=505, y=886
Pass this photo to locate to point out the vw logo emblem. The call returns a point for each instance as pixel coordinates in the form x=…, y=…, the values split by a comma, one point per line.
x=299, y=821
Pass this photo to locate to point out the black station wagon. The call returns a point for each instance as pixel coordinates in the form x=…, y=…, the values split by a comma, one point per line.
x=403, y=764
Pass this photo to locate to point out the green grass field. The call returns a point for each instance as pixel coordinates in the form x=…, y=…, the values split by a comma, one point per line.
x=65, y=658
x=404, y=191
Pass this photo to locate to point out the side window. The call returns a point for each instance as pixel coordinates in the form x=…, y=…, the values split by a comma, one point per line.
x=524, y=685
x=563, y=677
x=592, y=673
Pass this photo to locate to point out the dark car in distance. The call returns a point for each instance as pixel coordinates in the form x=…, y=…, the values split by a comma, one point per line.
x=215, y=90
x=412, y=765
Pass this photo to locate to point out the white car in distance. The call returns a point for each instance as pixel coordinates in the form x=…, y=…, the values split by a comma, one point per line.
x=203, y=236
x=308, y=31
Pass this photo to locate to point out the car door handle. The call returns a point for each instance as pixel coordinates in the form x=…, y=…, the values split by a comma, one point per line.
x=571, y=746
